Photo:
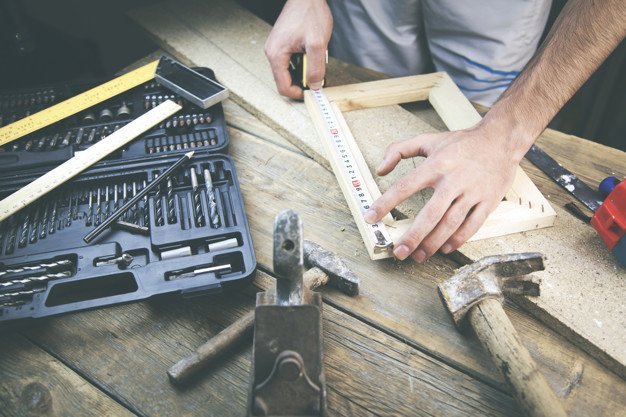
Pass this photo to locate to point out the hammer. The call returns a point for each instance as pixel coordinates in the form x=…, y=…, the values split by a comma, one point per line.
x=326, y=268
x=475, y=294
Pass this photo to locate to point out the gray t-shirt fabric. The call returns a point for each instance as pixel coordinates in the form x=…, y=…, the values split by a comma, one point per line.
x=482, y=44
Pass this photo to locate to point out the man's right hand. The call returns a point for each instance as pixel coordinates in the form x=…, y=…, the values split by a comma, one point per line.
x=303, y=26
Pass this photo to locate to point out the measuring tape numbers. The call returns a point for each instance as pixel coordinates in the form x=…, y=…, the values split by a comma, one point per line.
x=85, y=159
x=77, y=103
x=377, y=232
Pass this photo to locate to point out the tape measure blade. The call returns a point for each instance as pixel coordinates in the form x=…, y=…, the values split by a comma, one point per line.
x=77, y=103
x=74, y=166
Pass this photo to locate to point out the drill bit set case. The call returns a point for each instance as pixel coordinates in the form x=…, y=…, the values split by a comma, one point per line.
x=188, y=235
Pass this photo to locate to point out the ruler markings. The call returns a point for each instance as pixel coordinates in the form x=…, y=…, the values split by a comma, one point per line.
x=85, y=159
x=378, y=232
x=77, y=103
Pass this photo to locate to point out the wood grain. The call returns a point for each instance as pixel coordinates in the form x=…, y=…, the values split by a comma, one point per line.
x=210, y=33
x=33, y=383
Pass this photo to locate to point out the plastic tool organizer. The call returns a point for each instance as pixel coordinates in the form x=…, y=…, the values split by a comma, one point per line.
x=182, y=238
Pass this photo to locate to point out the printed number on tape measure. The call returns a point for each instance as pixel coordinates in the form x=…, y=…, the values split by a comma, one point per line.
x=378, y=231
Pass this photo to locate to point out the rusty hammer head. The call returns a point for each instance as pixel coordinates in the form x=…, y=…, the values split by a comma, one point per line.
x=490, y=277
x=339, y=275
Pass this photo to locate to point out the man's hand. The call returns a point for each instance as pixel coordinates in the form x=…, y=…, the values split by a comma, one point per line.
x=469, y=170
x=303, y=26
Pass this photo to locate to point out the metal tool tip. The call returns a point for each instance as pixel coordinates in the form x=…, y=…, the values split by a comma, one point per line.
x=189, y=154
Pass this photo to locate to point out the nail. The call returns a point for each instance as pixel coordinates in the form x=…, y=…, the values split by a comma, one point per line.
x=419, y=256
x=401, y=252
x=447, y=248
x=370, y=216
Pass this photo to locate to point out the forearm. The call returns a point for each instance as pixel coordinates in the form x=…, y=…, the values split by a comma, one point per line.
x=583, y=36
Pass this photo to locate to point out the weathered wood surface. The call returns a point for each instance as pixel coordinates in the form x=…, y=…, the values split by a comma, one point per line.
x=34, y=383
x=395, y=335
x=221, y=35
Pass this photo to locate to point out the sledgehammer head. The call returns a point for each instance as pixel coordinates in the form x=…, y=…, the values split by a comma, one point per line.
x=490, y=277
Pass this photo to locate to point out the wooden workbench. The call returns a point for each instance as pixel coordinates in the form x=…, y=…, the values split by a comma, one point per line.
x=391, y=351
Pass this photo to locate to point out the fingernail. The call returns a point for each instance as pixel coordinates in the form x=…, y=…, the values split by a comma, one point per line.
x=316, y=85
x=420, y=256
x=370, y=216
x=401, y=252
x=381, y=165
x=447, y=248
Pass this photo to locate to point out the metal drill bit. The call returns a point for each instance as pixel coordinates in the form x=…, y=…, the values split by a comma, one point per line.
x=89, y=220
x=34, y=225
x=53, y=218
x=131, y=227
x=171, y=209
x=115, y=199
x=98, y=209
x=195, y=194
x=68, y=220
x=43, y=232
x=146, y=212
x=2, y=224
x=24, y=234
x=53, y=142
x=27, y=283
x=107, y=207
x=158, y=205
x=214, y=216
x=123, y=200
x=134, y=210
x=35, y=269
x=21, y=295
x=76, y=204
x=11, y=235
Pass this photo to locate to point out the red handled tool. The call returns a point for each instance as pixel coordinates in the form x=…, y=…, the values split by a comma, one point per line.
x=608, y=205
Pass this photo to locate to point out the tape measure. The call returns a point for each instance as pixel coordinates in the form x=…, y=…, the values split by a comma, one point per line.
x=85, y=159
x=377, y=232
x=77, y=103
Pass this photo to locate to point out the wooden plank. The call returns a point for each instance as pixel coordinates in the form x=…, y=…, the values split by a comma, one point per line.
x=34, y=383
x=179, y=32
x=137, y=343
x=525, y=207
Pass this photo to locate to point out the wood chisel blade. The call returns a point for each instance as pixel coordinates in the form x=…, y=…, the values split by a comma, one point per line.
x=588, y=196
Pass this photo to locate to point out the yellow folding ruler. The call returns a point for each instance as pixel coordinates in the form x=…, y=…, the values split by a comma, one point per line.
x=85, y=159
x=77, y=103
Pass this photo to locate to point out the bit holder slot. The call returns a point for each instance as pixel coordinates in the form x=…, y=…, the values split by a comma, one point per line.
x=200, y=223
x=91, y=289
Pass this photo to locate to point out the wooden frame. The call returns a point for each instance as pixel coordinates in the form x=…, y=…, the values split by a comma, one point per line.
x=523, y=208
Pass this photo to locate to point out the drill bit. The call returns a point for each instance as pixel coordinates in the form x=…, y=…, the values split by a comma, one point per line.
x=123, y=199
x=35, y=269
x=53, y=218
x=76, y=204
x=195, y=194
x=34, y=224
x=107, y=207
x=214, y=216
x=115, y=200
x=134, y=211
x=11, y=235
x=20, y=296
x=171, y=209
x=44, y=221
x=79, y=136
x=2, y=224
x=98, y=209
x=24, y=234
x=28, y=283
x=158, y=203
x=68, y=220
x=89, y=220
x=146, y=212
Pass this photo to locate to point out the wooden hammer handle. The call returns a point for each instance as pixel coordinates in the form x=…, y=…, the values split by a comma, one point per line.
x=497, y=334
x=240, y=330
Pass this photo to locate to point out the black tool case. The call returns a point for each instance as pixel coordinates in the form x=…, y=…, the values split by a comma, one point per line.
x=175, y=240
